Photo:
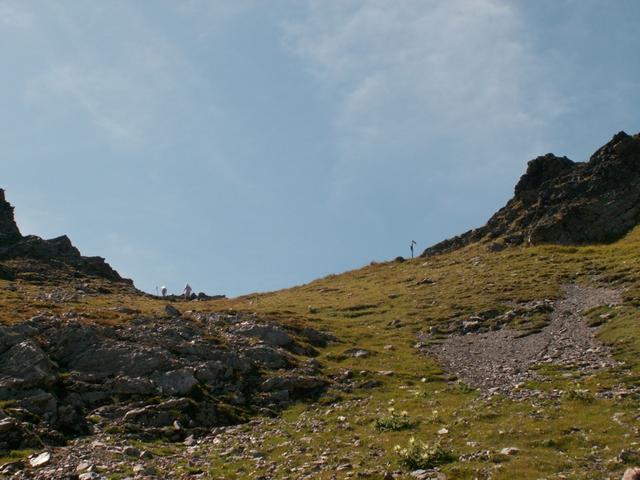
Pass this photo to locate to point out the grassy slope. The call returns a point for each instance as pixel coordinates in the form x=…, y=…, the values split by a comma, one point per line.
x=574, y=437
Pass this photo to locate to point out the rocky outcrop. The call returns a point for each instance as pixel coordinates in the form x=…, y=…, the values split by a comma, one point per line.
x=564, y=202
x=146, y=375
x=9, y=232
x=43, y=254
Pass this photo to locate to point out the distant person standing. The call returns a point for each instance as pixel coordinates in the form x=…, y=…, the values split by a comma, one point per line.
x=413, y=242
x=187, y=291
x=163, y=291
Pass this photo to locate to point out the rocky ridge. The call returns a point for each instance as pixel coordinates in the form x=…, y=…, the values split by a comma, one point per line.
x=564, y=202
x=35, y=258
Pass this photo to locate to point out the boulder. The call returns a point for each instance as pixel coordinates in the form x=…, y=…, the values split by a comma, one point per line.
x=111, y=359
x=510, y=451
x=26, y=365
x=175, y=382
x=212, y=372
x=470, y=325
x=357, y=352
x=40, y=460
x=269, y=334
x=39, y=402
x=267, y=357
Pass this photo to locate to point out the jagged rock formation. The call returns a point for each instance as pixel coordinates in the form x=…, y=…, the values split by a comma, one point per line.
x=9, y=232
x=37, y=254
x=561, y=201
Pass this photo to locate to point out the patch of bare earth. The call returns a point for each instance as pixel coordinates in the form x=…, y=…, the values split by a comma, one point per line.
x=502, y=360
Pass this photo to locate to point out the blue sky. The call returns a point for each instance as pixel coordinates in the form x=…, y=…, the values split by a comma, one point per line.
x=248, y=145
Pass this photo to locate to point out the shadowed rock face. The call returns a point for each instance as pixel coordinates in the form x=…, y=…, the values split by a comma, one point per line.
x=560, y=201
x=54, y=252
x=9, y=232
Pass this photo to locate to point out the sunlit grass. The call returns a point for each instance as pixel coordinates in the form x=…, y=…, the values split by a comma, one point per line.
x=381, y=308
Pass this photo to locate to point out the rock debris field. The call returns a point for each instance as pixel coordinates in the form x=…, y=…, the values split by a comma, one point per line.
x=501, y=361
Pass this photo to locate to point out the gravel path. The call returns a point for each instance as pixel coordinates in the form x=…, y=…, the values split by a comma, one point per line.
x=498, y=361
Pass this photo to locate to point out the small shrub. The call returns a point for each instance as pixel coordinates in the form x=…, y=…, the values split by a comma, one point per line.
x=394, y=422
x=461, y=388
x=95, y=419
x=419, y=455
x=584, y=396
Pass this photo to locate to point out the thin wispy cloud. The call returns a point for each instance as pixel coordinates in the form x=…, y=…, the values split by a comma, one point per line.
x=15, y=15
x=421, y=72
x=128, y=86
x=251, y=145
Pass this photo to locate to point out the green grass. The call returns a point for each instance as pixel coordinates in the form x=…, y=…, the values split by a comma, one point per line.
x=572, y=436
x=15, y=456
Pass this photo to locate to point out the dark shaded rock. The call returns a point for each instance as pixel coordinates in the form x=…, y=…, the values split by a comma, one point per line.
x=175, y=382
x=7, y=273
x=279, y=396
x=124, y=385
x=9, y=231
x=8, y=338
x=294, y=384
x=267, y=356
x=179, y=411
x=71, y=421
x=13, y=436
x=11, y=467
x=541, y=170
x=39, y=402
x=212, y=372
x=161, y=415
x=316, y=337
x=269, y=334
x=52, y=252
x=559, y=201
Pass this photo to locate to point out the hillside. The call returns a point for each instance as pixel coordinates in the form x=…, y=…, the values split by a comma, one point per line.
x=509, y=352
